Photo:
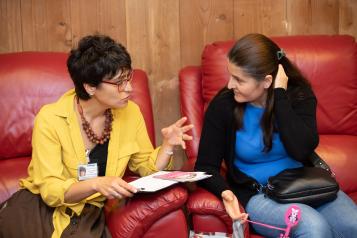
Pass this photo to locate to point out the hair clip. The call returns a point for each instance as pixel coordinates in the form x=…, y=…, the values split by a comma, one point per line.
x=280, y=53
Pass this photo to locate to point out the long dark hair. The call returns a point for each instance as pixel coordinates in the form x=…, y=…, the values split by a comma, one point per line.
x=257, y=56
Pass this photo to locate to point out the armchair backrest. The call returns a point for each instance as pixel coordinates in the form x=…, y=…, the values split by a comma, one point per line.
x=29, y=80
x=328, y=62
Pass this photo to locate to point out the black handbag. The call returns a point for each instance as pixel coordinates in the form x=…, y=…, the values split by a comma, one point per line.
x=309, y=185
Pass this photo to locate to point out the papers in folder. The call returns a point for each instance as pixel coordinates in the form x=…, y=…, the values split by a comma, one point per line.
x=163, y=179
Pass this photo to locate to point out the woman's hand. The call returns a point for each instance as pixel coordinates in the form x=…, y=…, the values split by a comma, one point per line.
x=175, y=134
x=281, y=80
x=113, y=187
x=231, y=205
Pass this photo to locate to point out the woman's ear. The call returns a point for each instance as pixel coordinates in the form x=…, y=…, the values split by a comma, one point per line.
x=89, y=89
x=268, y=80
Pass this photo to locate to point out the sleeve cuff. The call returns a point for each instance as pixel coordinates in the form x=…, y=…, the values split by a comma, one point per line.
x=65, y=187
x=170, y=165
x=280, y=94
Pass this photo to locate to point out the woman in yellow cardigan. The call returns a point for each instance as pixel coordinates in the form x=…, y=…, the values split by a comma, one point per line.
x=82, y=145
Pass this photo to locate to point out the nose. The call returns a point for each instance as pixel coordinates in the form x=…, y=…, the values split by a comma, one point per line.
x=230, y=84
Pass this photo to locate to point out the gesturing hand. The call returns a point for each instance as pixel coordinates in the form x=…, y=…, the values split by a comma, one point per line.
x=175, y=133
x=231, y=205
x=281, y=80
x=113, y=187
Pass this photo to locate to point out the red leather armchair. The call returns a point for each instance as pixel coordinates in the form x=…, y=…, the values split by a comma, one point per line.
x=28, y=81
x=329, y=62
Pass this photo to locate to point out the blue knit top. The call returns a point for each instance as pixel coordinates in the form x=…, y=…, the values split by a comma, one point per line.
x=249, y=155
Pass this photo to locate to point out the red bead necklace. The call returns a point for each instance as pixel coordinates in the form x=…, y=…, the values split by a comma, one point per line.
x=88, y=129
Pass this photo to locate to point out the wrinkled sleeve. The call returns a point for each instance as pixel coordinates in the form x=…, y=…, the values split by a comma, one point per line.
x=143, y=162
x=297, y=123
x=211, y=150
x=47, y=163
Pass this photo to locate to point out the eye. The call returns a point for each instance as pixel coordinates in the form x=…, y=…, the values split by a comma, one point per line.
x=240, y=81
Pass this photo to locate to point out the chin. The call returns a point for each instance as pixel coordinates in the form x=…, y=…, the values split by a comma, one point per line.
x=121, y=104
x=239, y=99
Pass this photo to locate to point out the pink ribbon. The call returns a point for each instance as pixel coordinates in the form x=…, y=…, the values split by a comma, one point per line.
x=292, y=218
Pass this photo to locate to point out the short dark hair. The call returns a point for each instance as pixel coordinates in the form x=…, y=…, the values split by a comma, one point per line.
x=96, y=57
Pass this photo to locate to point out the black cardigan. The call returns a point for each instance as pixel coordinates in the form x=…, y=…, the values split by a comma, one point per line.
x=296, y=122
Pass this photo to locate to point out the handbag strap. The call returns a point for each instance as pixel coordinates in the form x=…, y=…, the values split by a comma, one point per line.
x=318, y=162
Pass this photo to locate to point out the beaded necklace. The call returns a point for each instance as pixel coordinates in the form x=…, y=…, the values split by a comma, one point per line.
x=88, y=129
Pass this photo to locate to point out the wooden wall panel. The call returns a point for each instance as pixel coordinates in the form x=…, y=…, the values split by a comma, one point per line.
x=164, y=41
x=348, y=17
x=96, y=16
x=163, y=36
x=10, y=26
x=263, y=16
x=138, y=34
x=307, y=17
x=112, y=19
x=202, y=22
x=46, y=25
x=154, y=43
x=84, y=16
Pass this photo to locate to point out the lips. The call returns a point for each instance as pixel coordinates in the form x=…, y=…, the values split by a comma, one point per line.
x=126, y=98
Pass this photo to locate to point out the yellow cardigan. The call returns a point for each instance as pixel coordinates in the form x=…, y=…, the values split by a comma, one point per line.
x=58, y=149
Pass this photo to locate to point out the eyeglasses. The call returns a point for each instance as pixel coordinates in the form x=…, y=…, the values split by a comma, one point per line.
x=124, y=80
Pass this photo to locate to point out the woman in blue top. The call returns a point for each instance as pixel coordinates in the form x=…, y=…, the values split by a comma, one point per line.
x=262, y=123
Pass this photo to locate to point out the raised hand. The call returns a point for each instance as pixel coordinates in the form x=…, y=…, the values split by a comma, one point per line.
x=175, y=134
x=231, y=205
x=281, y=80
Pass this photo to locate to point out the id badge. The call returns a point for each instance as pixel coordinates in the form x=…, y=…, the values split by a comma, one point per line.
x=87, y=171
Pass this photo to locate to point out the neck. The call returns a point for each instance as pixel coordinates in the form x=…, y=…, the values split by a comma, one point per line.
x=261, y=101
x=92, y=108
x=93, y=111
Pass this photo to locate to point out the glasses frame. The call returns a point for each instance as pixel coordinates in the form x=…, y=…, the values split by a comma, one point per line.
x=123, y=82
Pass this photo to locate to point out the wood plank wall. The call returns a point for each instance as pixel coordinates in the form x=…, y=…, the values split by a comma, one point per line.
x=165, y=35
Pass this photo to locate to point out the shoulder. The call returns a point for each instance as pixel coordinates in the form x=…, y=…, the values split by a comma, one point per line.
x=47, y=110
x=300, y=93
x=221, y=109
x=223, y=101
x=48, y=123
x=62, y=108
x=47, y=113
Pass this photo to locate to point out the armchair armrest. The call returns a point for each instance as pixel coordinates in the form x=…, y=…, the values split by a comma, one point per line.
x=142, y=211
x=192, y=106
x=208, y=212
